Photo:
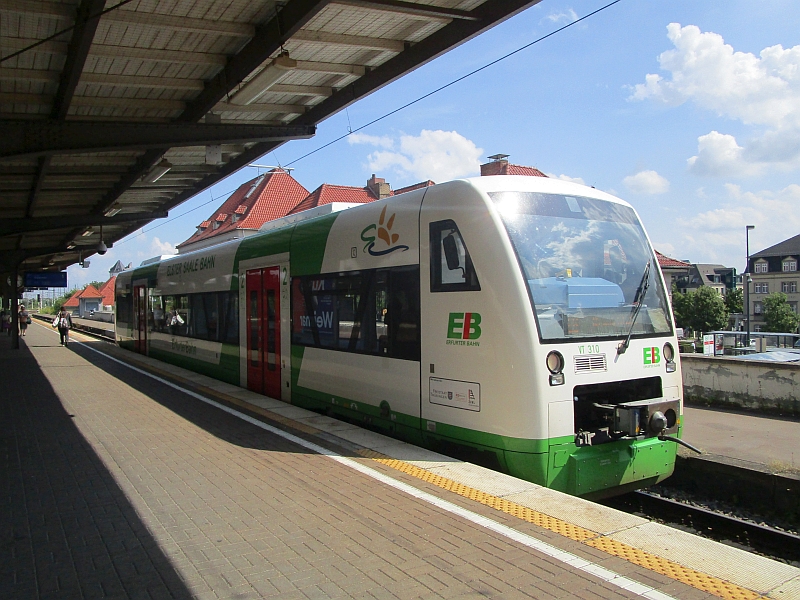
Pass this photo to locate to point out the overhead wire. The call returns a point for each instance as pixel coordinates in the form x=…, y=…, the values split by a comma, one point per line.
x=453, y=82
x=404, y=106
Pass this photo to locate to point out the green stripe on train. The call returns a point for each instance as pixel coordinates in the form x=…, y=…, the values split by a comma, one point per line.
x=227, y=370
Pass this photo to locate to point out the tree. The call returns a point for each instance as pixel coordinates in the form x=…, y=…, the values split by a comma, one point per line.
x=681, y=308
x=734, y=301
x=61, y=300
x=708, y=312
x=779, y=316
x=703, y=310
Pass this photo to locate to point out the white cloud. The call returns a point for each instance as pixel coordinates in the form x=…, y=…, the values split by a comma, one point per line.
x=157, y=247
x=372, y=140
x=665, y=248
x=563, y=177
x=761, y=91
x=437, y=155
x=646, y=182
x=567, y=16
x=719, y=154
x=718, y=235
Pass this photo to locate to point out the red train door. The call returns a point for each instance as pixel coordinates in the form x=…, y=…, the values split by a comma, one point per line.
x=140, y=319
x=263, y=331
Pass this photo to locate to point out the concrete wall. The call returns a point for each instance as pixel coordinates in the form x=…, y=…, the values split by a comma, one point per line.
x=751, y=384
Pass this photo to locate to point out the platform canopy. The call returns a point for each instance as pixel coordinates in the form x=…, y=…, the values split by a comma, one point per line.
x=137, y=105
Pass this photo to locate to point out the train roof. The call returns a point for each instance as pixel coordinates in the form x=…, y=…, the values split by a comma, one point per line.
x=546, y=185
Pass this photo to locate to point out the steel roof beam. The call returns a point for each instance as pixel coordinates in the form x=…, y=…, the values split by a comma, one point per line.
x=41, y=9
x=77, y=51
x=43, y=138
x=15, y=226
x=448, y=37
x=266, y=41
x=411, y=8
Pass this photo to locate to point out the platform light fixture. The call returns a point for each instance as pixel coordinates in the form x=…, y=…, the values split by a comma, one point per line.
x=113, y=209
x=276, y=70
x=101, y=247
x=157, y=172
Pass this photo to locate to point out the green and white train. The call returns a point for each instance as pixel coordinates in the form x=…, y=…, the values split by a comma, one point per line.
x=519, y=322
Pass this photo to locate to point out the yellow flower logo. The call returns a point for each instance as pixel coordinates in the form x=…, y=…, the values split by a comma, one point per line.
x=384, y=232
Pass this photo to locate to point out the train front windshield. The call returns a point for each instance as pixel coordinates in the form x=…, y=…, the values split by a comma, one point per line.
x=586, y=265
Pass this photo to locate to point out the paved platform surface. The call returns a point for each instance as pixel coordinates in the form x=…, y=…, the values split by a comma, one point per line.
x=765, y=441
x=115, y=484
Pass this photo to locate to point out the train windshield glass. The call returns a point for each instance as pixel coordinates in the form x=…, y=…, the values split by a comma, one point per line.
x=585, y=263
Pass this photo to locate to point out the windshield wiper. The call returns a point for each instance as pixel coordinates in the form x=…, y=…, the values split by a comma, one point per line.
x=638, y=300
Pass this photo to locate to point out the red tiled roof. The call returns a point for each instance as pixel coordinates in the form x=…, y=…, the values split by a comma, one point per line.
x=265, y=198
x=520, y=170
x=221, y=217
x=241, y=209
x=107, y=290
x=666, y=261
x=328, y=194
x=204, y=224
x=503, y=167
x=411, y=188
x=90, y=292
x=73, y=301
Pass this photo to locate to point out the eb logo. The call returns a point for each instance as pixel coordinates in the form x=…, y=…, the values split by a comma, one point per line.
x=464, y=326
x=652, y=356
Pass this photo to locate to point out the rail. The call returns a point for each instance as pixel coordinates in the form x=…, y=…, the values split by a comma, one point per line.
x=762, y=539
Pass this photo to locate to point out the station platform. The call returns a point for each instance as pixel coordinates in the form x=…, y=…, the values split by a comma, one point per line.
x=126, y=477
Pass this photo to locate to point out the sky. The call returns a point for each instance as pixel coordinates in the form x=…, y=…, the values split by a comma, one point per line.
x=688, y=110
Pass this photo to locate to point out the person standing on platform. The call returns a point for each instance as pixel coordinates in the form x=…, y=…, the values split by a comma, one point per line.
x=24, y=319
x=64, y=323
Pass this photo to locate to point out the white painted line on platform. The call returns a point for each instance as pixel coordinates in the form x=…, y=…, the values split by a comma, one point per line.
x=526, y=540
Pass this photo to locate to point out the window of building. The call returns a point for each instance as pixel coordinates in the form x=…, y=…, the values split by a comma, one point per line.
x=789, y=265
x=365, y=312
x=761, y=267
x=762, y=288
x=758, y=308
x=788, y=287
x=451, y=265
x=793, y=306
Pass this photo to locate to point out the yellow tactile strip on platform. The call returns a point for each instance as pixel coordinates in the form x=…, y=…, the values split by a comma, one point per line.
x=701, y=581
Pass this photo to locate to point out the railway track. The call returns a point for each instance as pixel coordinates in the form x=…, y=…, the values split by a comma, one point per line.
x=754, y=537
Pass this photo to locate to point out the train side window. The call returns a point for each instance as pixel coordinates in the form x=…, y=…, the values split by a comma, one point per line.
x=401, y=315
x=451, y=266
x=366, y=312
x=229, y=311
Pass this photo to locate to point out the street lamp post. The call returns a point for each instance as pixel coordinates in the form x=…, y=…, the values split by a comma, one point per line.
x=747, y=280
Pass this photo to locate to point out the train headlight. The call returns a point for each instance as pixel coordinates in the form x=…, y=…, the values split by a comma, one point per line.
x=669, y=356
x=555, y=364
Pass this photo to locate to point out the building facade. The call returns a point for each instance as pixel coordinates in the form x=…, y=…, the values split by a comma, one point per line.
x=774, y=270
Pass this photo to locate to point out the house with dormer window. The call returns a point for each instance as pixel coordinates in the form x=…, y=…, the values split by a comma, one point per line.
x=774, y=270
